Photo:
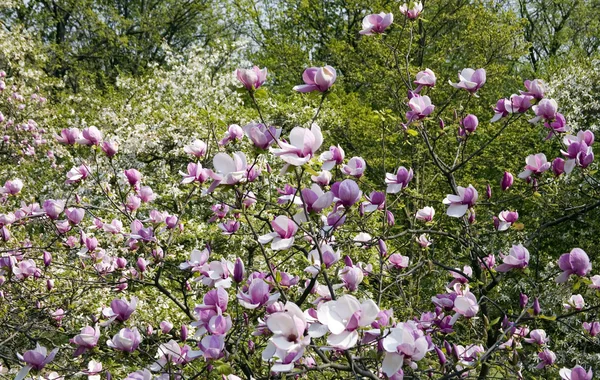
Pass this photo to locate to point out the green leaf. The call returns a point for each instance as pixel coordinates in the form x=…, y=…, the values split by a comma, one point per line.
x=412, y=132
x=548, y=318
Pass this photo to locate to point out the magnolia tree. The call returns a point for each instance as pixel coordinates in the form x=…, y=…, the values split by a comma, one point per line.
x=277, y=258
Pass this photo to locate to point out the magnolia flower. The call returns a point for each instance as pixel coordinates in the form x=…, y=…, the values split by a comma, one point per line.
x=470, y=80
x=317, y=79
x=356, y=167
x=303, y=145
x=86, y=340
x=125, y=340
x=425, y=214
x=347, y=192
x=252, y=78
x=545, y=109
x=404, y=343
x=506, y=219
x=196, y=148
x=547, y=358
x=517, y=103
x=579, y=151
x=376, y=23
x=575, y=262
x=424, y=241
x=420, y=106
x=535, y=164
x=261, y=136
x=258, y=295
x=68, y=136
x=330, y=257
x=556, y=125
x=288, y=341
x=537, y=336
x=230, y=170
x=499, y=110
x=351, y=275
x=234, y=132
x=399, y=181
x=507, y=181
x=466, y=304
x=412, y=10
x=459, y=204
x=398, y=261
x=425, y=78
x=575, y=302
x=13, y=187
x=334, y=156
x=93, y=371
x=517, y=258
x=592, y=328
x=217, y=274
x=53, y=208
x=375, y=201
x=120, y=309
x=110, y=148
x=536, y=88
x=283, y=236
x=312, y=200
x=90, y=136
x=35, y=359
x=343, y=317
x=577, y=373
x=595, y=282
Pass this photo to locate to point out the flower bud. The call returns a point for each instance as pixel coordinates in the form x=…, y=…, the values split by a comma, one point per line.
x=470, y=123
x=523, y=300
x=507, y=181
x=238, y=271
x=488, y=191
x=536, y=307
x=47, y=256
x=165, y=327
x=184, y=333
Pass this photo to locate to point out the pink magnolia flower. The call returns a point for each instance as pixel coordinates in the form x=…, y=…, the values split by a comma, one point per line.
x=469, y=124
x=424, y=240
x=288, y=342
x=197, y=148
x=592, y=328
x=229, y=227
x=506, y=219
x=517, y=258
x=499, y=111
x=535, y=164
x=258, y=294
x=547, y=358
x=114, y=227
x=315, y=200
x=53, y=208
x=86, y=340
x=283, y=236
x=68, y=136
x=351, y=275
x=356, y=167
x=399, y=181
x=303, y=145
x=234, y=132
x=398, y=261
x=425, y=214
x=196, y=173
x=405, y=343
x=595, y=282
x=343, y=317
x=12, y=187
x=420, y=106
x=376, y=23
x=459, y=204
x=425, y=78
x=412, y=10
x=470, y=80
x=120, y=309
x=334, y=156
x=517, y=103
x=75, y=215
x=507, y=181
x=252, y=78
x=217, y=274
x=330, y=257
x=110, y=148
x=230, y=170
x=575, y=262
x=575, y=302
x=125, y=340
x=545, y=109
x=90, y=136
x=556, y=125
x=466, y=304
x=77, y=174
x=536, y=88
x=35, y=359
x=261, y=136
x=577, y=373
x=579, y=150
x=537, y=336
x=317, y=79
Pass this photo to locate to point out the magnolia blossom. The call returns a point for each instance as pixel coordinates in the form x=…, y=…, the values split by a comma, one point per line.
x=258, y=294
x=317, y=79
x=230, y=170
x=197, y=260
x=90, y=136
x=343, y=317
x=197, y=148
x=424, y=240
x=468, y=124
x=425, y=78
x=351, y=275
x=579, y=150
x=420, y=106
x=545, y=109
x=347, y=192
x=517, y=103
x=196, y=173
x=283, y=236
x=506, y=219
x=217, y=274
x=507, y=181
x=425, y=214
x=356, y=167
x=330, y=257
x=77, y=173
x=334, y=156
x=575, y=262
x=466, y=304
x=398, y=261
x=261, y=136
x=459, y=204
x=68, y=136
x=404, y=343
x=535, y=164
x=171, y=352
x=234, y=132
x=470, y=80
x=399, y=181
x=517, y=258
x=592, y=328
x=412, y=10
x=575, y=302
x=86, y=340
x=288, y=342
x=499, y=111
x=547, y=358
x=35, y=359
x=577, y=373
x=125, y=340
x=376, y=23
x=252, y=78
x=53, y=208
x=12, y=187
x=536, y=88
x=120, y=309
x=537, y=336
x=303, y=145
